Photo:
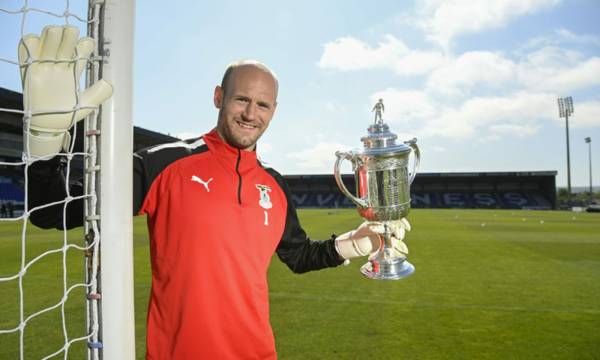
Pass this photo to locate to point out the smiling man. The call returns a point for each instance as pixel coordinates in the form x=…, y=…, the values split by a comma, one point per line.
x=246, y=100
x=215, y=215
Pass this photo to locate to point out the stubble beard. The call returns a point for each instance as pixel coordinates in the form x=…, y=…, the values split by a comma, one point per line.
x=236, y=140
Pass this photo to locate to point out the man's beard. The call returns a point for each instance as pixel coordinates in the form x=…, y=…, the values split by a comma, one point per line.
x=240, y=142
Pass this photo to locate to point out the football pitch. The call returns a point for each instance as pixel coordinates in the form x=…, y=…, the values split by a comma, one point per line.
x=489, y=284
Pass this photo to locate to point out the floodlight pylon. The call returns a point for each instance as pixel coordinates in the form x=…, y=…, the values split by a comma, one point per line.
x=565, y=108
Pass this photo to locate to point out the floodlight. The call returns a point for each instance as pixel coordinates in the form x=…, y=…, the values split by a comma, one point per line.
x=569, y=105
x=588, y=140
x=565, y=108
x=561, y=108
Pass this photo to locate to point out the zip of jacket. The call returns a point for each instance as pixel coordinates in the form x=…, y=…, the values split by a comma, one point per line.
x=237, y=170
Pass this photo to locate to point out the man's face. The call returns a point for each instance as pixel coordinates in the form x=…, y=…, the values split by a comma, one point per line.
x=246, y=106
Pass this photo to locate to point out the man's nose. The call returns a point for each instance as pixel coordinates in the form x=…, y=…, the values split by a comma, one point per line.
x=250, y=111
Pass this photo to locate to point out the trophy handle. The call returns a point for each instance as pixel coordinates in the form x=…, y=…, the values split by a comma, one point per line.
x=413, y=144
x=341, y=156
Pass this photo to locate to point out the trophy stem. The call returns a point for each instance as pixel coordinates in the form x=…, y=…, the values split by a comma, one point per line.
x=385, y=264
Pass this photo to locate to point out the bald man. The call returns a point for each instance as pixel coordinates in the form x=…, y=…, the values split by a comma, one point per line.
x=215, y=216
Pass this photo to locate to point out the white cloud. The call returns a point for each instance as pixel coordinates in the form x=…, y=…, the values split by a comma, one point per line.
x=319, y=158
x=587, y=114
x=496, y=114
x=443, y=20
x=404, y=106
x=348, y=53
x=518, y=114
x=583, y=39
x=519, y=130
x=559, y=70
x=472, y=68
x=563, y=36
x=550, y=69
x=486, y=139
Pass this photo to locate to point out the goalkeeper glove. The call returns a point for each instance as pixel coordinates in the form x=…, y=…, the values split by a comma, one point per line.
x=367, y=238
x=54, y=63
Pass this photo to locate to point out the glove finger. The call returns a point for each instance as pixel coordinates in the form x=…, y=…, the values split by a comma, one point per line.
x=66, y=51
x=85, y=47
x=405, y=224
x=28, y=49
x=94, y=96
x=401, y=247
x=400, y=233
x=40, y=145
x=50, y=41
x=375, y=227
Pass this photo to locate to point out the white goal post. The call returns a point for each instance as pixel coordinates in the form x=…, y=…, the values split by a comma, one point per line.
x=116, y=183
x=106, y=249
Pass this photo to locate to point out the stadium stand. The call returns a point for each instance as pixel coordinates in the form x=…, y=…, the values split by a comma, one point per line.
x=493, y=190
x=11, y=145
x=508, y=190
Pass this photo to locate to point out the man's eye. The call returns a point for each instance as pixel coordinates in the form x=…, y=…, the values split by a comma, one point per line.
x=264, y=106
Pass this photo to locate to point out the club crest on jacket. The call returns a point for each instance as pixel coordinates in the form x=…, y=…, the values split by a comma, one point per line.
x=264, y=200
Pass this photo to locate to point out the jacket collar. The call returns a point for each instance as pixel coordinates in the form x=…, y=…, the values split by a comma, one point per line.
x=230, y=155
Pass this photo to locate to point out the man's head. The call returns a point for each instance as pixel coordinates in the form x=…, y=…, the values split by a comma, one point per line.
x=246, y=99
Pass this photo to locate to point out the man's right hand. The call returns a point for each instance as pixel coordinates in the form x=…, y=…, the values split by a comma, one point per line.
x=367, y=238
x=56, y=61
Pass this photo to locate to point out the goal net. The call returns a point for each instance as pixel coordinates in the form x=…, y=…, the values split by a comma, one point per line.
x=68, y=293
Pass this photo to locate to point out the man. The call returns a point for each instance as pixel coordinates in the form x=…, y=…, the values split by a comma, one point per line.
x=215, y=218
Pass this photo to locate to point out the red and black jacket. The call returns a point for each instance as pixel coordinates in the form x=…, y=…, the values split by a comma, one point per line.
x=215, y=217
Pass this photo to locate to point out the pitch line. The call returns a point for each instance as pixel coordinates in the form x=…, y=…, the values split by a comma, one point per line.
x=411, y=305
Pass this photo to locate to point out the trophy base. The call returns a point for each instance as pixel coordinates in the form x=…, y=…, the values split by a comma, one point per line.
x=387, y=269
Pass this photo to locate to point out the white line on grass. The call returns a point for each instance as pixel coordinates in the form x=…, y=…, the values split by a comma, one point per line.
x=410, y=305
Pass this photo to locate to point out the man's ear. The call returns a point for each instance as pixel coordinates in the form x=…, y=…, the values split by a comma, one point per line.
x=218, y=97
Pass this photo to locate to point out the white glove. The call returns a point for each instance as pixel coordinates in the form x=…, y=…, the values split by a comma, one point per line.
x=398, y=230
x=50, y=85
x=367, y=238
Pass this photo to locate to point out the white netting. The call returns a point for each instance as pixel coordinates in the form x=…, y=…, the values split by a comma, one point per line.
x=89, y=246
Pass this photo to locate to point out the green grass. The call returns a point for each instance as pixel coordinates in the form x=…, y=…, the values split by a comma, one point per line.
x=514, y=288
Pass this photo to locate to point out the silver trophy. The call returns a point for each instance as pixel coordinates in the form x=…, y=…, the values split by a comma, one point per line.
x=382, y=190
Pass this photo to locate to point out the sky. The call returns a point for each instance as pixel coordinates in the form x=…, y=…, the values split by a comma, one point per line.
x=475, y=82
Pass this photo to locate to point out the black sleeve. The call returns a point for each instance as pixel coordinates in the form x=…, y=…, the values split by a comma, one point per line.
x=295, y=249
x=140, y=182
x=46, y=185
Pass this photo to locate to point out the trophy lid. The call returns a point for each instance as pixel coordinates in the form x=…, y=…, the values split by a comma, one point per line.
x=380, y=140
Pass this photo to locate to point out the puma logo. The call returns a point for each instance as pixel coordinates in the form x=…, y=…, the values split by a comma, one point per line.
x=205, y=183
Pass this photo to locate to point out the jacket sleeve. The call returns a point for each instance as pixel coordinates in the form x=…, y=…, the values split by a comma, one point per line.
x=296, y=249
x=46, y=184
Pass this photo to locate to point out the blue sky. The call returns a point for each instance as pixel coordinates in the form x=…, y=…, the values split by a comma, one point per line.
x=475, y=81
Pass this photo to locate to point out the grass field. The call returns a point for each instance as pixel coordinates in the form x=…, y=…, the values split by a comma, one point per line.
x=488, y=285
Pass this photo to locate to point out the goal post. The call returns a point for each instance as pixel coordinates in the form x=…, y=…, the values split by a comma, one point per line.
x=42, y=317
x=116, y=183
